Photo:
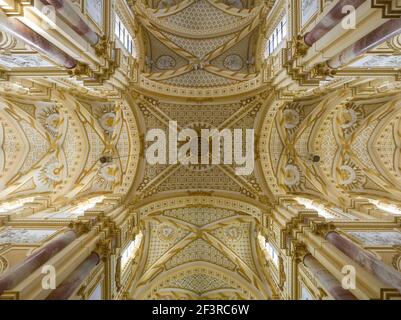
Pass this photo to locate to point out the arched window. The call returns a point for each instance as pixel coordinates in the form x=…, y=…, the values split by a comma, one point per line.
x=130, y=251
x=124, y=37
x=269, y=250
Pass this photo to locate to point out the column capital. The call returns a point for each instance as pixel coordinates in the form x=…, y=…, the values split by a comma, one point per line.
x=80, y=70
x=322, y=228
x=104, y=248
x=80, y=227
x=300, y=48
x=298, y=250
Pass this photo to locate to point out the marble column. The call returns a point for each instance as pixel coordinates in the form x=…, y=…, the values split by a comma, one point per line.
x=73, y=19
x=333, y=17
x=381, y=34
x=38, y=258
x=328, y=281
x=19, y=30
x=382, y=271
x=75, y=279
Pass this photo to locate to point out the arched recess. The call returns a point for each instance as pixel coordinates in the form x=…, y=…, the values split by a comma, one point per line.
x=357, y=140
x=385, y=144
x=52, y=148
x=199, y=281
x=34, y=161
x=359, y=134
x=287, y=141
x=182, y=233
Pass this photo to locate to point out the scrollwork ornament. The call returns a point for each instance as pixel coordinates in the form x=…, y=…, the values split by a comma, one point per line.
x=397, y=258
x=3, y=264
x=300, y=48
x=322, y=71
x=81, y=70
x=298, y=250
x=102, y=47
x=80, y=227
x=104, y=248
x=322, y=228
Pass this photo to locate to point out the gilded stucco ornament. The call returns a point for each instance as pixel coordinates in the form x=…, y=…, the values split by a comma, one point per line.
x=322, y=71
x=390, y=8
x=321, y=228
x=329, y=136
x=7, y=43
x=3, y=264
x=166, y=232
x=292, y=175
x=291, y=118
x=298, y=250
x=81, y=70
x=397, y=258
x=300, y=48
x=102, y=47
x=395, y=43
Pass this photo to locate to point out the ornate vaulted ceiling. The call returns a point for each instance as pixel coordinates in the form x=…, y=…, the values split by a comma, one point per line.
x=53, y=148
x=205, y=45
x=200, y=247
x=70, y=134
x=201, y=225
x=357, y=139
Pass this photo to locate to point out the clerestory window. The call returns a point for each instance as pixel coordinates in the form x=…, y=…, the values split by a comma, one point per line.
x=122, y=34
x=278, y=35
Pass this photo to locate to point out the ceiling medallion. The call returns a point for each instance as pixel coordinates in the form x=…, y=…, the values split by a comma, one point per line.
x=165, y=62
x=50, y=174
x=347, y=175
x=292, y=175
x=233, y=62
x=107, y=121
x=108, y=172
x=291, y=118
x=50, y=118
x=166, y=232
x=233, y=233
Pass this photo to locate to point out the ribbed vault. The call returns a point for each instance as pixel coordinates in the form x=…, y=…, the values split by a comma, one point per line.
x=200, y=247
x=53, y=148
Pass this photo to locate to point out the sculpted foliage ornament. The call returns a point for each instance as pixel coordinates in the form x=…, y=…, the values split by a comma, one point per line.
x=300, y=48
x=298, y=250
x=3, y=264
x=292, y=175
x=321, y=228
x=322, y=71
x=166, y=232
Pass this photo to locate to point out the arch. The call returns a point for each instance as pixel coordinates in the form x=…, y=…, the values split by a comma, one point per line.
x=189, y=230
